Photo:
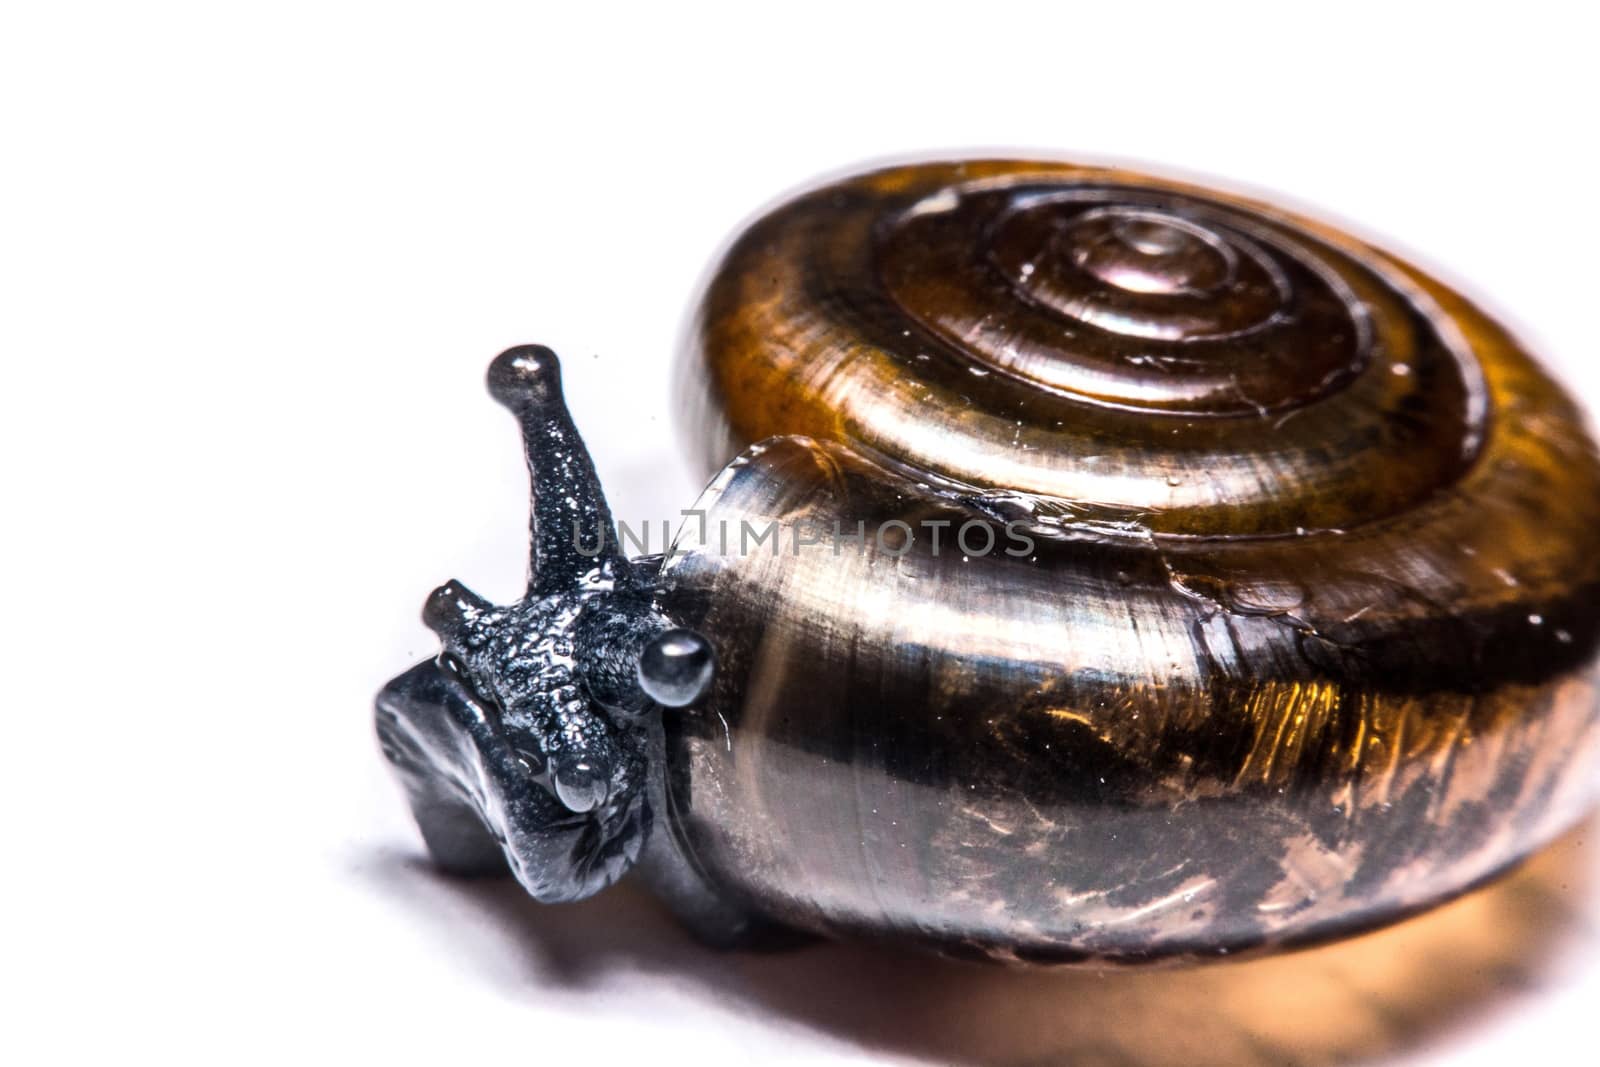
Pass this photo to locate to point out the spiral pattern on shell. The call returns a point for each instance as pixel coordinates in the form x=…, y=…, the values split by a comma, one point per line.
x=1077, y=345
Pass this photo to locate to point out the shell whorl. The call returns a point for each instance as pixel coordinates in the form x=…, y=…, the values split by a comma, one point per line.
x=1083, y=344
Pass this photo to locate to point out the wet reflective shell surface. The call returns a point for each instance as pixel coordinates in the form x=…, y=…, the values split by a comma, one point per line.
x=1305, y=635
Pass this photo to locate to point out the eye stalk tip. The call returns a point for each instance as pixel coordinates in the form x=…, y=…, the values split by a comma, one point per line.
x=676, y=668
x=525, y=375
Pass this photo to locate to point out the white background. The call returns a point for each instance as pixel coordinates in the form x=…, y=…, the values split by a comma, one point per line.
x=253, y=261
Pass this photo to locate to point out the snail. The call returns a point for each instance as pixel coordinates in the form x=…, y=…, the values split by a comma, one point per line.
x=1093, y=568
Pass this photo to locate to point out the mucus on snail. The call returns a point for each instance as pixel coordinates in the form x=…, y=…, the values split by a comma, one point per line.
x=1304, y=639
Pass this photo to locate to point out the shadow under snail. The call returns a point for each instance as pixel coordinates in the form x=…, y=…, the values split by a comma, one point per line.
x=1095, y=568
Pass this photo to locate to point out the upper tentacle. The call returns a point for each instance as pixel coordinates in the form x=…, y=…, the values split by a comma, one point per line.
x=570, y=524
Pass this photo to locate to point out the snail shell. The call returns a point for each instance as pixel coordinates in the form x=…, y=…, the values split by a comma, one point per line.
x=1305, y=635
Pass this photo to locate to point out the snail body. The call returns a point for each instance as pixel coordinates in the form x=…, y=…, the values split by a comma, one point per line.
x=1138, y=572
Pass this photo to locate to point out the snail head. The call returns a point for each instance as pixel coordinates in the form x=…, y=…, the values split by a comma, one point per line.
x=572, y=674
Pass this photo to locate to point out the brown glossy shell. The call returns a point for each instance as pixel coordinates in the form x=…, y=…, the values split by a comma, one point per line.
x=1305, y=634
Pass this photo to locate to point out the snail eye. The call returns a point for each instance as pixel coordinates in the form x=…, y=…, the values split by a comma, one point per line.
x=580, y=783
x=676, y=668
